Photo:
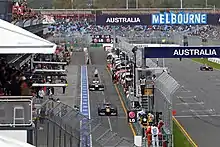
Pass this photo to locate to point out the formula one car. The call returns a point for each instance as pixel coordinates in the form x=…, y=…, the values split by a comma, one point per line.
x=96, y=86
x=206, y=68
x=107, y=110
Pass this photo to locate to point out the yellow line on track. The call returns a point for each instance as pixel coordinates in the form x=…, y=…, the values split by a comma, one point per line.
x=122, y=104
x=184, y=132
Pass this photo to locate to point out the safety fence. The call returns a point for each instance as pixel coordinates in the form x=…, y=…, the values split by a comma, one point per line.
x=152, y=40
x=123, y=10
x=58, y=125
x=193, y=40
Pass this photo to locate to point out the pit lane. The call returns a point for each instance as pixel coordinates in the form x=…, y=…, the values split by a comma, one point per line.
x=116, y=124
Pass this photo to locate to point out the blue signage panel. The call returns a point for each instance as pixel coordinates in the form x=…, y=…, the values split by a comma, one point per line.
x=181, y=18
x=122, y=19
x=213, y=19
x=182, y=52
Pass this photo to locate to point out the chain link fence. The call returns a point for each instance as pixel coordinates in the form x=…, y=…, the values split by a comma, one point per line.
x=58, y=125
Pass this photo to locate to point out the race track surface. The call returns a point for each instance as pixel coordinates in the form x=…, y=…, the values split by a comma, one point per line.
x=197, y=101
x=116, y=124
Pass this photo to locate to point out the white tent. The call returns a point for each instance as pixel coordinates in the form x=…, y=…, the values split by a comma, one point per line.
x=9, y=142
x=14, y=40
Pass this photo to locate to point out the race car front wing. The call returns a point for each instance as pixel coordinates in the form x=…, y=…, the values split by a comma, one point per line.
x=96, y=88
x=104, y=113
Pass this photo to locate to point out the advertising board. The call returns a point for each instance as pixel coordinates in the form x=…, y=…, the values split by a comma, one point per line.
x=122, y=19
x=181, y=18
x=182, y=52
x=102, y=39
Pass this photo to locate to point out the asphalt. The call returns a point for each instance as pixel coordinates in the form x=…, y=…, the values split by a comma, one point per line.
x=197, y=101
x=117, y=124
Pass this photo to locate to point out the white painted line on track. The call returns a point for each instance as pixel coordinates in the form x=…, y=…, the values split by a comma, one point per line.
x=104, y=100
x=184, y=89
x=109, y=121
x=196, y=103
x=196, y=111
x=186, y=97
x=192, y=116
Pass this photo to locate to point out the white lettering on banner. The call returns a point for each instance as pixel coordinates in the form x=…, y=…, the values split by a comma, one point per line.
x=194, y=52
x=123, y=20
x=180, y=18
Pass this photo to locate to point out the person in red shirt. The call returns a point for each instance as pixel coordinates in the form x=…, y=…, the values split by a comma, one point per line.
x=149, y=135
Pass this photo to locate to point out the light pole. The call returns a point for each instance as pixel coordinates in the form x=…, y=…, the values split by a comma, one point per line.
x=181, y=4
x=137, y=2
x=134, y=50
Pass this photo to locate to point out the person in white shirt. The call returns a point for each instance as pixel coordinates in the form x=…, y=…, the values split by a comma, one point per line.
x=142, y=84
x=96, y=73
x=155, y=133
x=142, y=81
x=154, y=77
x=41, y=93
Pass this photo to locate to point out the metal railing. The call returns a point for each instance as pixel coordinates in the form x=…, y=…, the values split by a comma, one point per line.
x=124, y=10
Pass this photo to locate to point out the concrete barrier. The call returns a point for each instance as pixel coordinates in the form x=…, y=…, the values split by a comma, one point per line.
x=215, y=60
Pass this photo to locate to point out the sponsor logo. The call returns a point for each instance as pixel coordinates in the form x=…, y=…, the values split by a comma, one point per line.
x=123, y=20
x=179, y=18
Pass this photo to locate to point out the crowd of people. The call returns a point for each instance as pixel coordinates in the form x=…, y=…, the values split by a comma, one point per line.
x=12, y=80
x=85, y=24
x=21, y=11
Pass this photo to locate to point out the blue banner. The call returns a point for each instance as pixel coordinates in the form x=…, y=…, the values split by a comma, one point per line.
x=122, y=19
x=182, y=52
x=182, y=18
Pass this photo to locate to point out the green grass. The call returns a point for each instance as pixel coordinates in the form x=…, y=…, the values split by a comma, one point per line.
x=180, y=139
x=205, y=61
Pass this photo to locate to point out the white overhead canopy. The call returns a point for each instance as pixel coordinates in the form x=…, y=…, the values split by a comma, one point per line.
x=9, y=142
x=14, y=40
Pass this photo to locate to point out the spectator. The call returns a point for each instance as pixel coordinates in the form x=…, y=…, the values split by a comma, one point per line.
x=15, y=86
x=25, y=90
x=20, y=11
x=41, y=93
